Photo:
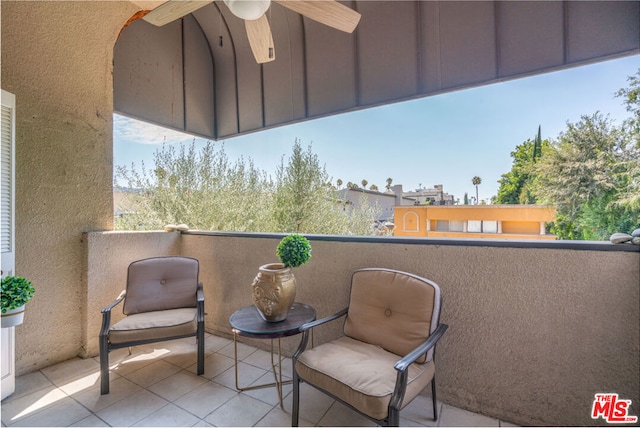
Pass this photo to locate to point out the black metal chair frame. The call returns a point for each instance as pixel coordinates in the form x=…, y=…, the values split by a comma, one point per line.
x=106, y=346
x=401, y=366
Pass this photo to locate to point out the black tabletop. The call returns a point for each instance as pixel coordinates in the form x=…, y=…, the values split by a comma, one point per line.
x=248, y=322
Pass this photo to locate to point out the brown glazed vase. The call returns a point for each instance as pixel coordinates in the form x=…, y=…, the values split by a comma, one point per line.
x=274, y=290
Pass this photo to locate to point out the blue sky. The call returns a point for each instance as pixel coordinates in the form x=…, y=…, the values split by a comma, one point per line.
x=445, y=139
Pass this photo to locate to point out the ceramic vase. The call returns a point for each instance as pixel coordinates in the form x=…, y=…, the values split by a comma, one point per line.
x=274, y=291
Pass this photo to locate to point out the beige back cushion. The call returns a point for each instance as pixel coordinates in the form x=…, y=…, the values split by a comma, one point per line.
x=391, y=309
x=161, y=283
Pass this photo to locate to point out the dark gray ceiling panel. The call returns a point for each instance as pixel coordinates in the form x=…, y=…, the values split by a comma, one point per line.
x=401, y=50
x=198, y=80
x=284, y=91
x=147, y=73
x=387, y=54
x=530, y=36
x=597, y=28
x=430, y=65
x=224, y=67
x=248, y=75
x=330, y=72
x=467, y=43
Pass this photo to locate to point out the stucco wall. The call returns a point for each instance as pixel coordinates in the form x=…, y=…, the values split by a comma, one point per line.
x=533, y=333
x=57, y=60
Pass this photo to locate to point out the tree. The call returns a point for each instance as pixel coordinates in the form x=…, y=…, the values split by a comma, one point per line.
x=466, y=198
x=373, y=187
x=476, y=182
x=364, y=183
x=203, y=189
x=300, y=190
x=305, y=203
x=516, y=185
x=585, y=173
x=388, y=186
x=339, y=183
x=630, y=196
x=537, y=146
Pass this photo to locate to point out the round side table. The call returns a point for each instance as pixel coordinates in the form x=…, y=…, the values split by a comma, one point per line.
x=247, y=322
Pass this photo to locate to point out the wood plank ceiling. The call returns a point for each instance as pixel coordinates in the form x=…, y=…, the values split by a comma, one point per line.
x=197, y=74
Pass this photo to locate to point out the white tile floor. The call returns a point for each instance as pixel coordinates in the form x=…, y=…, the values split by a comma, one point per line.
x=157, y=386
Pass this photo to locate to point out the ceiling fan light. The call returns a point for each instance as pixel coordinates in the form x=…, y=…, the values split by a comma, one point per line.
x=248, y=9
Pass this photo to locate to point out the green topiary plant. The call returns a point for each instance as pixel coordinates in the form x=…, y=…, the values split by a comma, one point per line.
x=294, y=250
x=16, y=291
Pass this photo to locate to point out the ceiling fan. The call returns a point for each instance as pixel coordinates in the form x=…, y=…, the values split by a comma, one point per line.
x=327, y=12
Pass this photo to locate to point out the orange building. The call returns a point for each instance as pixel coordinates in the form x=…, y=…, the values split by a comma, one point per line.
x=474, y=221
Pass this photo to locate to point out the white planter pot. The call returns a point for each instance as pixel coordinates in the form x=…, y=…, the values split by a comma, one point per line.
x=13, y=317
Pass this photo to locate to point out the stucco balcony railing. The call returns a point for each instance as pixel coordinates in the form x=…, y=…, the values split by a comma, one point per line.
x=536, y=328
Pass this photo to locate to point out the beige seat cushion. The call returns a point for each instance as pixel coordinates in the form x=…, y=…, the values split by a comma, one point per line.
x=154, y=325
x=360, y=374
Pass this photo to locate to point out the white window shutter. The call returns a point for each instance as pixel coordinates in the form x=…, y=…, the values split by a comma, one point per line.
x=7, y=200
x=7, y=237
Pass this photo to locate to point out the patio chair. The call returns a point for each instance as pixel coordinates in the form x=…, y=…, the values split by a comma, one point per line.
x=163, y=300
x=385, y=357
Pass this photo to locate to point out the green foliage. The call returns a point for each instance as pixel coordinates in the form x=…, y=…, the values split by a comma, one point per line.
x=200, y=188
x=630, y=196
x=205, y=190
x=294, y=250
x=16, y=291
x=580, y=166
x=631, y=95
x=588, y=174
x=516, y=185
x=591, y=173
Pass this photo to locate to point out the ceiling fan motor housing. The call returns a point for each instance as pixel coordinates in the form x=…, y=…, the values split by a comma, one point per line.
x=248, y=9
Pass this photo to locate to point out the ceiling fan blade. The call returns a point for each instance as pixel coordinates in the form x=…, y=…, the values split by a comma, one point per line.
x=327, y=12
x=173, y=9
x=260, y=39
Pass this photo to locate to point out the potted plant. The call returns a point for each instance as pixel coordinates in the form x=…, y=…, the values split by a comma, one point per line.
x=274, y=288
x=16, y=292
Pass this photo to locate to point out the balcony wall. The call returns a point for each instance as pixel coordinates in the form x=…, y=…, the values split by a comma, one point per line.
x=536, y=329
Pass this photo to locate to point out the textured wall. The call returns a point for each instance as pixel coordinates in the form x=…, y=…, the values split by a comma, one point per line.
x=57, y=60
x=533, y=333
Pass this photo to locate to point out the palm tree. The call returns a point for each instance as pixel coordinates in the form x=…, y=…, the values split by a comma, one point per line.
x=476, y=182
x=373, y=187
x=339, y=182
x=389, y=181
x=364, y=183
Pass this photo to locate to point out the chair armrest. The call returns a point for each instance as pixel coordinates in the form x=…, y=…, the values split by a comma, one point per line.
x=200, y=293
x=403, y=364
x=421, y=349
x=106, y=314
x=304, y=329
x=115, y=302
x=200, y=302
x=312, y=324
